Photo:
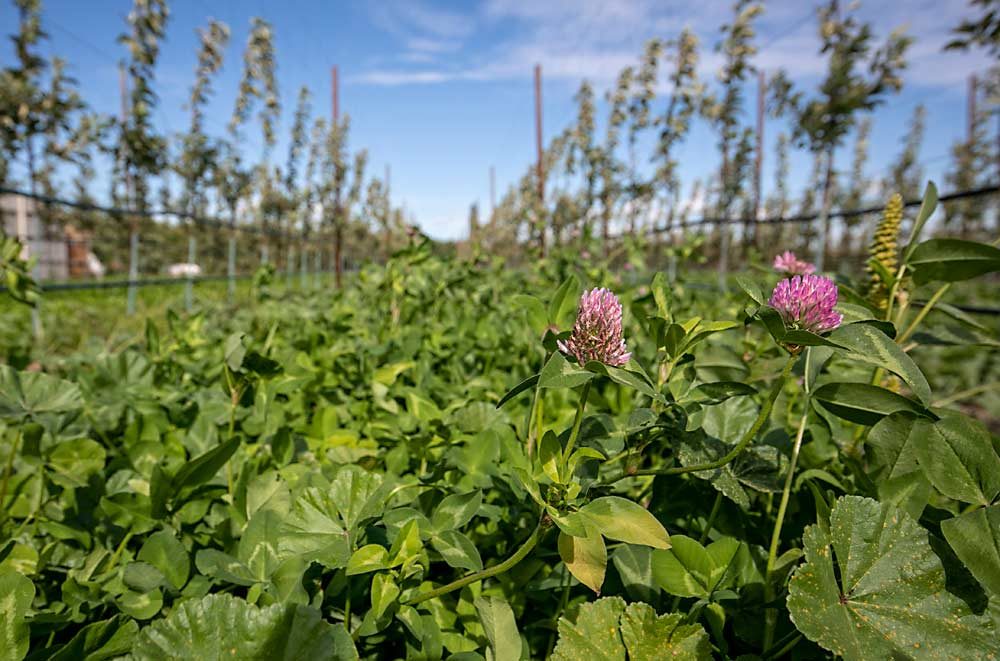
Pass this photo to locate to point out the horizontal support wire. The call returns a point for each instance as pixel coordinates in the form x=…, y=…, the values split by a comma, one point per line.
x=806, y=218
x=156, y=213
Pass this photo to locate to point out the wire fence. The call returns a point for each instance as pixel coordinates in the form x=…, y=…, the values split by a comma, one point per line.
x=81, y=245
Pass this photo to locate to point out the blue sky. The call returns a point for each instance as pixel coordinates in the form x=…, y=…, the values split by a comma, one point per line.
x=443, y=90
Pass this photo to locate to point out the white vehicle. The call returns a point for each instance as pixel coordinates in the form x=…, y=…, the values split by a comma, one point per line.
x=183, y=270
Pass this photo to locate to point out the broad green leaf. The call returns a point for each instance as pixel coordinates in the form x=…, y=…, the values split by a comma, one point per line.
x=407, y=546
x=649, y=637
x=234, y=350
x=870, y=345
x=370, y=557
x=707, y=328
x=357, y=495
x=527, y=384
x=751, y=289
x=630, y=378
x=563, y=303
x=688, y=569
x=456, y=510
x=142, y=576
x=457, y=550
x=107, y=639
x=927, y=206
x=559, y=373
x=222, y=566
x=625, y=521
x=387, y=374
x=30, y=394
x=886, y=597
x=384, y=593
x=142, y=605
x=720, y=391
x=608, y=630
x=534, y=311
x=220, y=626
x=501, y=629
x=74, y=461
x=258, y=547
x=550, y=456
x=863, y=403
x=952, y=260
x=975, y=538
x=315, y=531
x=16, y=594
x=890, y=446
x=166, y=553
x=594, y=634
x=203, y=468
x=585, y=557
x=634, y=563
x=958, y=457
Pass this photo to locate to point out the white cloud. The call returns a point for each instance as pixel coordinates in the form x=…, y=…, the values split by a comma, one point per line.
x=595, y=39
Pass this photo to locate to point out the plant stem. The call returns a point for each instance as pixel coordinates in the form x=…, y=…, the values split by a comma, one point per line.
x=120, y=549
x=772, y=554
x=529, y=432
x=507, y=564
x=711, y=518
x=893, y=291
x=347, y=607
x=576, y=422
x=7, y=469
x=924, y=311
x=965, y=394
x=762, y=416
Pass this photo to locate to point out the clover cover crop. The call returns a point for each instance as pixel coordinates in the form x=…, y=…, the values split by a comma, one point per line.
x=451, y=461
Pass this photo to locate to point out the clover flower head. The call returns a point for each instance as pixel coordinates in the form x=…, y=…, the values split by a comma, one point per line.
x=807, y=302
x=597, y=332
x=788, y=263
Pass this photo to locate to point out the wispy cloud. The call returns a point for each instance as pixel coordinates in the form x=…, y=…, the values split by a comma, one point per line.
x=595, y=39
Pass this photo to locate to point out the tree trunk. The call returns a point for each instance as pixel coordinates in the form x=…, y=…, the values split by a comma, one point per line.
x=338, y=243
x=824, y=215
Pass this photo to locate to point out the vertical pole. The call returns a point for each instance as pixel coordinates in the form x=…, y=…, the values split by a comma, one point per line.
x=723, y=224
x=304, y=268
x=231, y=266
x=133, y=268
x=539, y=169
x=758, y=165
x=264, y=253
x=318, y=268
x=334, y=81
x=970, y=129
x=824, y=213
x=338, y=236
x=133, y=237
x=290, y=265
x=24, y=236
x=493, y=192
x=189, y=285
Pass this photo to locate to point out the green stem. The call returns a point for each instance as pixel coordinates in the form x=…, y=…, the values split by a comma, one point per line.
x=532, y=432
x=519, y=555
x=711, y=518
x=576, y=422
x=347, y=607
x=762, y=416
x=8, y=468
x=965, y=394
x=772, y=554
x=924, y=311
x=893, y=291
x=119, y=550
